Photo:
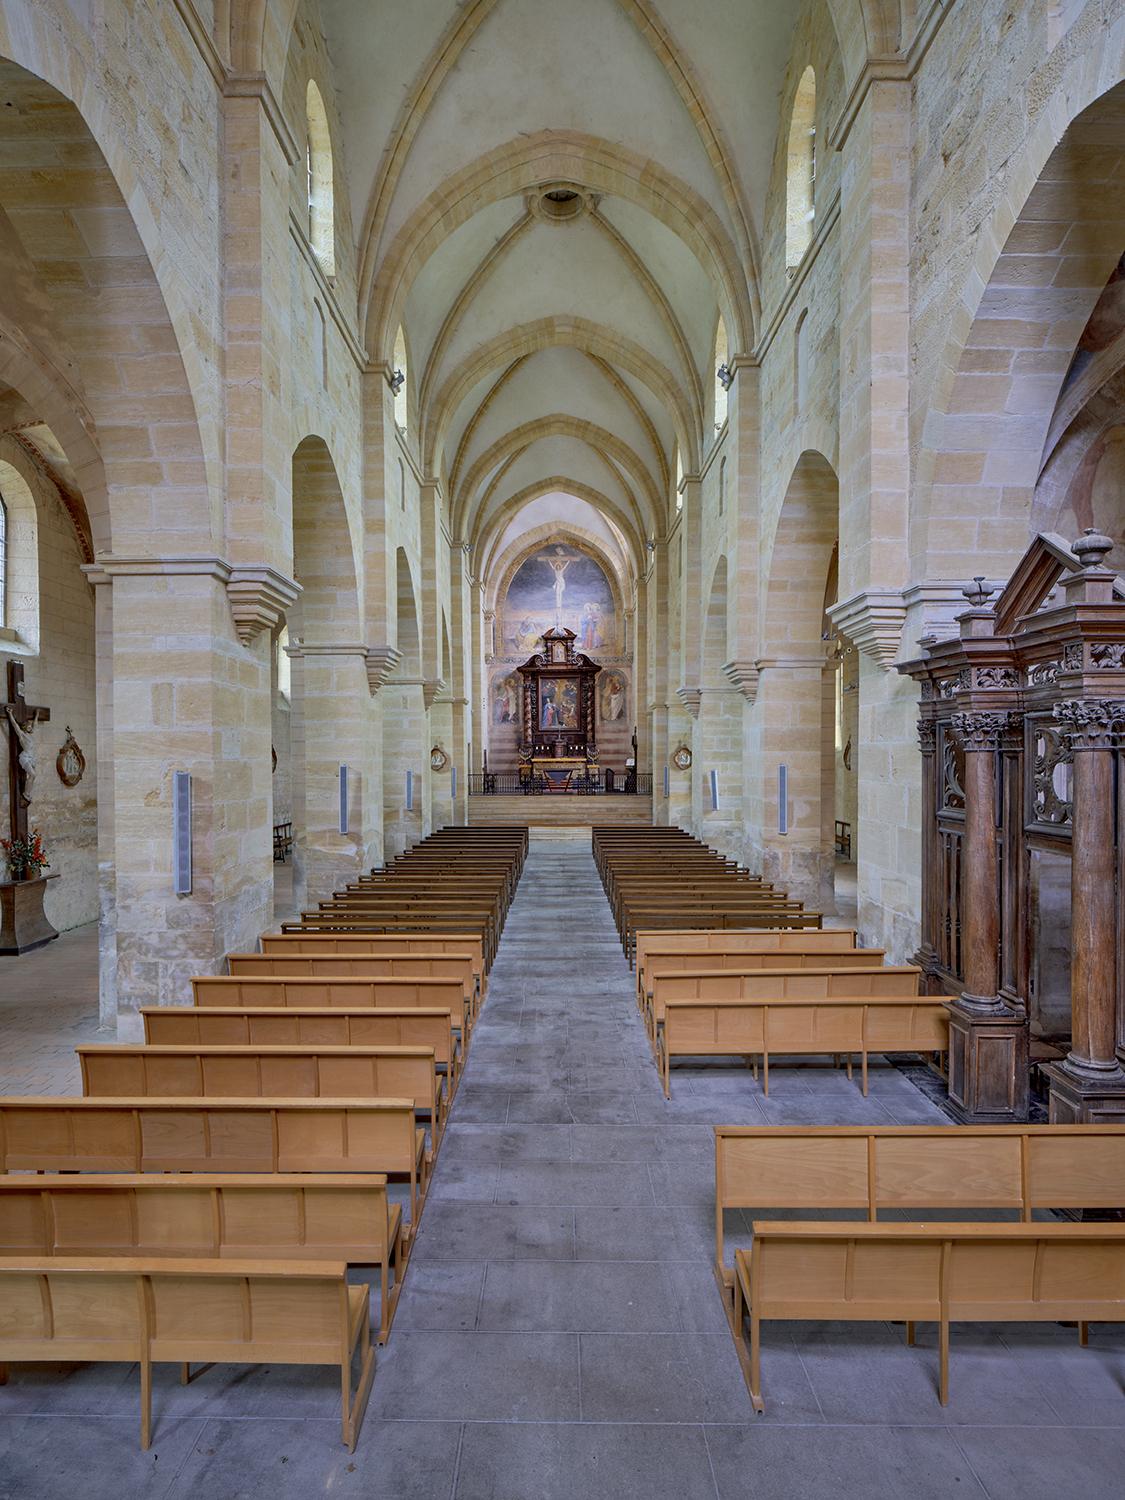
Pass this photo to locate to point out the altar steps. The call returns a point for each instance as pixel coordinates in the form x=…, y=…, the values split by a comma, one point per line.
x=562, y=810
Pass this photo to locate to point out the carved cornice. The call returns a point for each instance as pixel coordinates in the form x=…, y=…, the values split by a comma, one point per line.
x=301, y=649
x=690, y=697
x=381, y=662
x=984, y=730
x=431, y=687
x=873, y=620
x=1092, y=723
x=257, y=86
x=259, y=598
x=742, y=673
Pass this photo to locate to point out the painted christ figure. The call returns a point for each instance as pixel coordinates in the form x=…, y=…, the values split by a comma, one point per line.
x=559, y=561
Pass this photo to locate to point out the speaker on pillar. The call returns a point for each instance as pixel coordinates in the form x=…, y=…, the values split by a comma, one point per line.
x=343, y=799
x=783, y=799
x=714, y=791
x=181, y=832
x=410, y=791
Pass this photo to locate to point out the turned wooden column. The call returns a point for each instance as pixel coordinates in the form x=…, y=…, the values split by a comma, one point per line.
x=988, y=1037
x=927, y=955
x=1090, y=729
x=979, y=734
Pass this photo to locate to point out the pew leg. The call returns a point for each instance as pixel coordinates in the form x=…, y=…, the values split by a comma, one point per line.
x=863, y=1056
x=756, y=1362
x=3, y=1374
x=766, y=1074
x=910, y=1332
x=185, y=1372
x=754, y=1066
x=146, y=1401
x=1083, y=1333
x=943, y=1356
x=849, y=1067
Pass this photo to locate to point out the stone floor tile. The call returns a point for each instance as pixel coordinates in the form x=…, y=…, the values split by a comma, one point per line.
x=489, y=1377
x=568, y=1297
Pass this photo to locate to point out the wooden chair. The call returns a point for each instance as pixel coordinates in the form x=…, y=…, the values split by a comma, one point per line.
x=185, y=1312
x=210, y=1216
x=939, y=1273
x=57, y=1134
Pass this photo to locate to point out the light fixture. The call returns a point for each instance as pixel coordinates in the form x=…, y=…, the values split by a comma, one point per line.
x=398, y=380
x=725, y=376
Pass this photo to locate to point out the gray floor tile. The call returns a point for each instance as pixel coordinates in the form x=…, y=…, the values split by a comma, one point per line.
x=573, y=1182
x=59, y=1457
x=587, y=1462
x=469, y=1231
x=1045, y=1463
x=569, y=1297
x=484, y=1377
x=440, y=1295
x=657, y=1377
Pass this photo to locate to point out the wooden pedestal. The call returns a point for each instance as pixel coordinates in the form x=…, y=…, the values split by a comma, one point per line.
x=1082, y=1101
x=23, y=923
x=989, y=1082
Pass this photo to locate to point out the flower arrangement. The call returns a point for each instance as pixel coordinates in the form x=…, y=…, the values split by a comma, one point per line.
x=25, y=856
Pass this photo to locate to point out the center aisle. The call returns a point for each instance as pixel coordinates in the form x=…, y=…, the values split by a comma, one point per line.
x=559, y=1331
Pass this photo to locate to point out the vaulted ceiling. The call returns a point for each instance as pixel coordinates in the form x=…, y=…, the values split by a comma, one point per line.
x=558, y=201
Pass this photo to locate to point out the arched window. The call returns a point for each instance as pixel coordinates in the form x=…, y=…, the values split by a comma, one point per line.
x=401, y=379
x=800, y=207
x=3, y=562
x=284, y=665
x=679, y=479
x=318, y=166
x=722, y=374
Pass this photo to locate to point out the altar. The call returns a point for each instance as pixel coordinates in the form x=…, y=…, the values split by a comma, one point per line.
x=558, y=773
x=559, y=739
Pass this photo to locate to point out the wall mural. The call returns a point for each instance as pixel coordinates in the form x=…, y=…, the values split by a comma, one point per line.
x=558, y=586
x=559, y=581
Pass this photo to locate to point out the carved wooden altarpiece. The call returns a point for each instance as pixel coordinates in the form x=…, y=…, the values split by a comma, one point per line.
x=558, y=702
x=1022, y=733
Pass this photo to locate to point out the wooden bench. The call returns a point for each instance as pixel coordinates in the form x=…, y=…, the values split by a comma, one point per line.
x=282, y=842
x=939, y=1169
x=245, y=992
x=62, y=1134
x=374, y=944
x=936, y=1273
x=432, y=1028
x=400, y=965
x=183, y=1311
x=319, y=1072
x=209, y=1216
x=781, y=981
x=713, y=917
x=392, y=922
x=670, y=943
x=840, y=1026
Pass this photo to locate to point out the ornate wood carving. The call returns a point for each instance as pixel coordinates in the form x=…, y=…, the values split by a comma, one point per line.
x=1023, y=743
x=558, y=712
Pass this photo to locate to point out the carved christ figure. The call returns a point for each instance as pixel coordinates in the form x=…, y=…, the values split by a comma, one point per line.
x=26, y=755
x=559, y=561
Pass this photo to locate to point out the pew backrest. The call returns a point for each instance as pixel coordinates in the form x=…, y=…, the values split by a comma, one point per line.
x=57, y=1134
x=943, y=1169
x=411, y=1027
x=252, y=992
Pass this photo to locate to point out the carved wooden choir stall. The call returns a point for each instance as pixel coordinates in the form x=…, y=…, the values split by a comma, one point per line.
x=559, y=738
x=1022, y=734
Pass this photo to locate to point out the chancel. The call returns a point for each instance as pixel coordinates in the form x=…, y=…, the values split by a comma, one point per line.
x=562, y=601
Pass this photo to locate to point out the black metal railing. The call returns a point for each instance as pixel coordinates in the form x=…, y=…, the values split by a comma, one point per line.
x=598, y=783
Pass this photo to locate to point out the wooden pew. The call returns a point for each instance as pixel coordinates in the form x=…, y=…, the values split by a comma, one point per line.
x=939, y=1273
x=374, y=944
x=183, y=1311
x=210, y=1216
x=670, y=943
x=781, y=981
x=938, y=1169
x=395, y=923
x=244, y=992
x=401, y=965
x=432, y=1028
x=319, y=1072
x=64, y=1134
x=713, y=916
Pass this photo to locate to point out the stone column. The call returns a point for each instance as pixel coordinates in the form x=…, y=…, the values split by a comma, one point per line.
x=988, y=1039
x=789, y=708
x=720, y=724
x=330, y=727
x=1089, y=1086
x=927, y=955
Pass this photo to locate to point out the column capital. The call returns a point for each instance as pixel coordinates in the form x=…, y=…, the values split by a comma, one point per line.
x=873, y=619
x=927, y=736
x=1091, y=723
x=985, y=729
x=742, y=673
x=690, y=697
x=259, y=594
x=381, y=662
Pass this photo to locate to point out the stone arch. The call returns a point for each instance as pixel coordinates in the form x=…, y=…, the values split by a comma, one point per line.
x=1041, y=263
x=409, y=639
x=19, y=549
x=505, y=567
x=491, y=530
x=795, y=706
x=127, y=328
x=327, y=611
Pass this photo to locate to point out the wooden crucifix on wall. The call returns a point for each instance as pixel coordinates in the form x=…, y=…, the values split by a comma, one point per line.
x=20, y=718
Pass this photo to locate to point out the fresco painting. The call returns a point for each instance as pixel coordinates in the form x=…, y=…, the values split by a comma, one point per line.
x=611, y=687
x=558, y=586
